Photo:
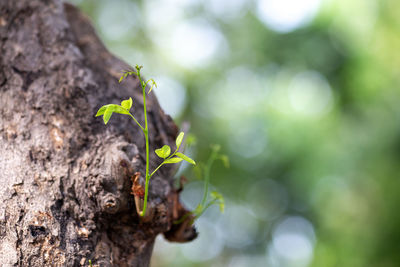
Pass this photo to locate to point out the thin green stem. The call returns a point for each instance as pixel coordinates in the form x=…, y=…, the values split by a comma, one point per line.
x=162, y=163
x=205, y=208
x=146, y=134
x=141, y=127
x=156, y=169
x=183, y=218
x=197, y=215
x=207, y=175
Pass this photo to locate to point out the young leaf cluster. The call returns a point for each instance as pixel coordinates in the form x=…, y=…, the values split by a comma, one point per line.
x=108, y=110
x=165, y=153
x=144, y=84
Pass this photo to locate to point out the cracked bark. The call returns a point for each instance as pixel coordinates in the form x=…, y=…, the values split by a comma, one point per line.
x=65, y=177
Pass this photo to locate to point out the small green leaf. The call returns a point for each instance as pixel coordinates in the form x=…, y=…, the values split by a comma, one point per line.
x=186, y=158
x=125, y=74
x=216, y=195
x=102, y=110
x=108, y=110
x=220, y=198
x=179, y=140
x=225, y=160
x=163, y=152
x=153, y=83
x=222, y=206
x=107, y=115
x=173, y=160
x=117, y=109
x=127, y=104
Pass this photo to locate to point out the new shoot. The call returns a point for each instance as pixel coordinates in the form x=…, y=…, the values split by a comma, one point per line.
x=165, y=151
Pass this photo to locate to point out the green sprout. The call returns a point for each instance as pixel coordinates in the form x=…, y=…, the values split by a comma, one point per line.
x=209, y=198
x=163, y=152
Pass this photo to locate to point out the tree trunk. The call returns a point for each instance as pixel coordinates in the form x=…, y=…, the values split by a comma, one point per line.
x=65, y=177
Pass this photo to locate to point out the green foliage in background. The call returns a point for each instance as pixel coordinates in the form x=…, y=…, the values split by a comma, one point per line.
x=310, y=119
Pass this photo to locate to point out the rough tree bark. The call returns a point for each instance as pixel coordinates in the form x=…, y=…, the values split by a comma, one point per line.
x=66, y=178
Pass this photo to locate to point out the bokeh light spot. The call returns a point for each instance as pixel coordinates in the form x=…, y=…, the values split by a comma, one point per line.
x=171, y=95
x=194, y=43
x=241, y=233
x=286, y=15
x=267, y=199
x=206, y=246
x=112, y=16
x=310, y=94
x=292, y=243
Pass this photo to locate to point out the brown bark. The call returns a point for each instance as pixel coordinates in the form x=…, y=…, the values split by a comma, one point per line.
x=65, y=177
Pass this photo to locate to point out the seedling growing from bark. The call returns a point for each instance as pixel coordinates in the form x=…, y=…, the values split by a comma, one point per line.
x=163, y=152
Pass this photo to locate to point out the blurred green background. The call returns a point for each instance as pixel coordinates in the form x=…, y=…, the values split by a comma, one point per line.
x=303, y=96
